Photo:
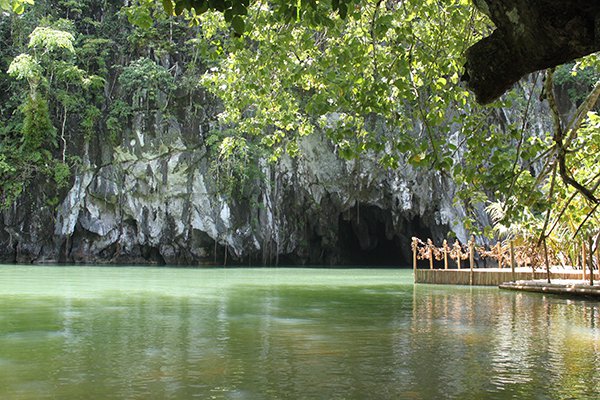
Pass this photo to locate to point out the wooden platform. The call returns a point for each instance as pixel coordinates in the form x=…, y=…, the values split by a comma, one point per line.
x=490, y=276
x=565, y=287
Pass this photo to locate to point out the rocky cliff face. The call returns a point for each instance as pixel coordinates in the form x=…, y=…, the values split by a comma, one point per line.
x=529, y=36
x=154, y=201
x=149, y=194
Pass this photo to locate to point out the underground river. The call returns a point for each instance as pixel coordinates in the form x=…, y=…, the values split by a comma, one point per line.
x=73, y=332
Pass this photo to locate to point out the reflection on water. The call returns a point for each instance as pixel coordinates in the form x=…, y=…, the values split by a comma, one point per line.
x=507, y=344
x=133, y=333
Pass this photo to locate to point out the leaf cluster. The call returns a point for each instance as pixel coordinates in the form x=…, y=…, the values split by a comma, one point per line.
x=34, y=141
x=16, y=6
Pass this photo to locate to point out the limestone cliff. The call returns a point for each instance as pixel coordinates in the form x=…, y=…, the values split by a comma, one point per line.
x=155, y=201
x=145, y=191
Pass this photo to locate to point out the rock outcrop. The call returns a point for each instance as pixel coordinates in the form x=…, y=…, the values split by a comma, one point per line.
x=156, y=202
x=146, y=192
x=529, y=36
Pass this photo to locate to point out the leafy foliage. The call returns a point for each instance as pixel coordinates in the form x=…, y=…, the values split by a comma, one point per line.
x=147, y=76
x=37, y=126
x=576, y=80
x=235, y=167
x=384, y=81
x=16, y=6
x=48, y=39
x=377, y=78
x=380, y=68
x=25, y=66
x=54, y=81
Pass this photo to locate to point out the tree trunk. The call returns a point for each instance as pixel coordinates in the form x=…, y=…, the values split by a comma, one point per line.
x=530, y=35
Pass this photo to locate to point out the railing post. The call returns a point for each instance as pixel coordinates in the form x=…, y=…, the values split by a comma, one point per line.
x=414, y=250
x=591, y=244
x=547, y=262
x=499, y=254
x=430, y=249
x=532, y=270
x=583, y=260
x=471, y=258
x=512, y=260
x=445, y=247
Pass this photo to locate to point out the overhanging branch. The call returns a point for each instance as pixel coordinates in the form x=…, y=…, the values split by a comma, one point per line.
x=529, y=36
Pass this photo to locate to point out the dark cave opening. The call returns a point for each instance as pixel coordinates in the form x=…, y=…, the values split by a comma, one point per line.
x=381, y=251
x=152, y=255
x=366, y=237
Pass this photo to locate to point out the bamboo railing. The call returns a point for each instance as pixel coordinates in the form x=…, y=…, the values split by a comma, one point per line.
x=506, y=254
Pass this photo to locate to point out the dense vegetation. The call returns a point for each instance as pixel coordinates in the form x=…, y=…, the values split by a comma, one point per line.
x=378, y=78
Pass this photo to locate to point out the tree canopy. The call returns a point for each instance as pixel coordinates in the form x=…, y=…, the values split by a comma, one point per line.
x=528, y=36
x=377, y=78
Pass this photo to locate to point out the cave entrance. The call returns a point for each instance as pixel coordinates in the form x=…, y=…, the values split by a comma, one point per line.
x=366, y=237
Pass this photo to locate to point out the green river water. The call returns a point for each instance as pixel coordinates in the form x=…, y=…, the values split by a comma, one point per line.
x=171, y=333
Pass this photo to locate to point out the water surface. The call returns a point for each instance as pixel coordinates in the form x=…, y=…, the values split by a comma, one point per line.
x=161, y=333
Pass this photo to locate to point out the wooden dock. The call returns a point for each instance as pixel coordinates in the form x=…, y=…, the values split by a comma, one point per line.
x=564, y=287
x=492, y=276
x=582, y=275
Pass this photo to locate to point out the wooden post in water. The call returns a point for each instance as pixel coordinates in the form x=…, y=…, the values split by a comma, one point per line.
x=583, y=260
x=458, y=250
x=471, y=258
x=430, y=247
x=414, y=250
x=445, y=247
x=547, y=262
x=499, y=254
x=512, y=261
x=598, y=253
x=591, y=244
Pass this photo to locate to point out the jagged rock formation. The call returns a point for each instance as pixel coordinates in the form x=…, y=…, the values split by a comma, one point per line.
x=529, y=36
x=154, y=199
x=148, y=193
x=157, y=203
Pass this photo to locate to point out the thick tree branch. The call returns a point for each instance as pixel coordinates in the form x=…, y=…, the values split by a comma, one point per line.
x=559, y=143
x=581, y=114
x=530, y=35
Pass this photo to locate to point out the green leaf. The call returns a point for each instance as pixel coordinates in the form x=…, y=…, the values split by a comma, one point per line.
x=228, y=14
x=343, y=9
x=18, y=7
x=238, y=24
x=179, y=7
x=239, y=8
x=140, y=17
x=168, y=5
x=219, y=5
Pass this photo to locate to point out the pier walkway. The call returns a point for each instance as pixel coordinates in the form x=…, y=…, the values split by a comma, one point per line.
x=497, y=276
x=559, y=286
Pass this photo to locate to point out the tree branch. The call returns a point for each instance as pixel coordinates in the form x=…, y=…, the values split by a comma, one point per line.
x=586, y=220
x=559, y=144
x=581, y=113
x=543, y=234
